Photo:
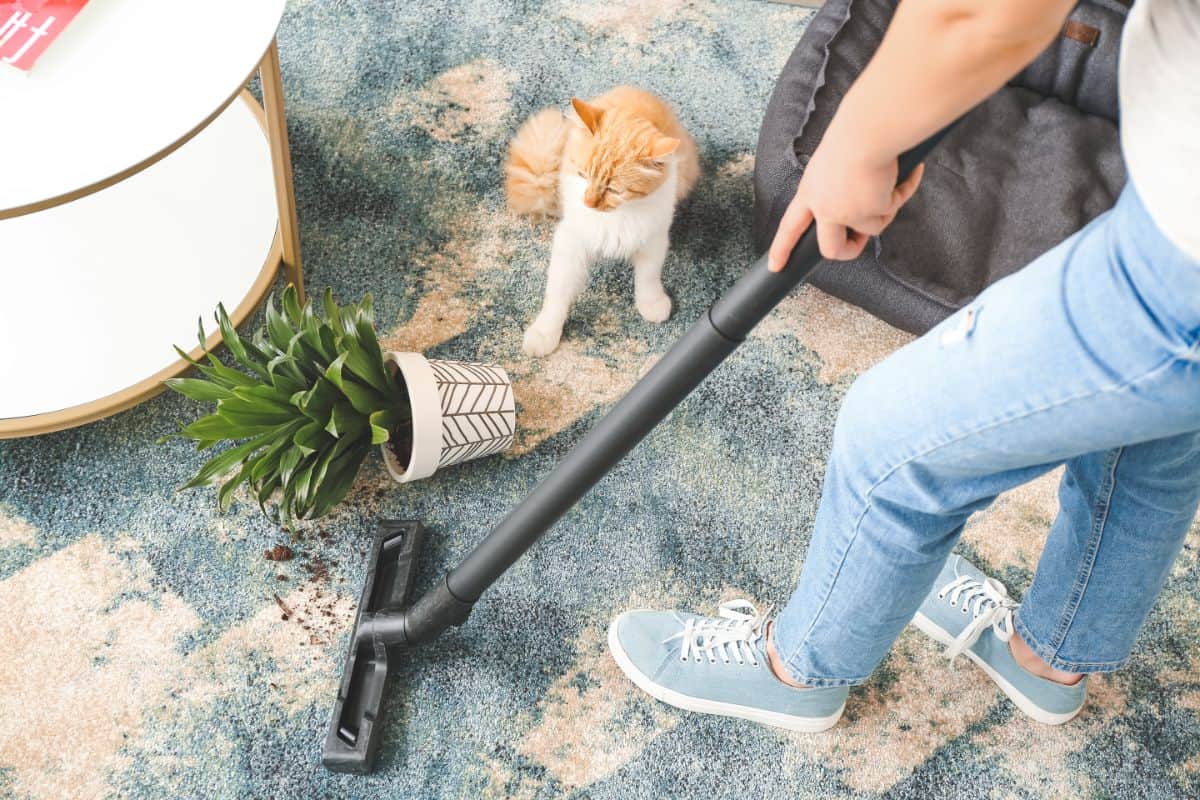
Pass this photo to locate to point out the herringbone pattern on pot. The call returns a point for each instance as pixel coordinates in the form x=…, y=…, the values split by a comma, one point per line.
x=479, y=417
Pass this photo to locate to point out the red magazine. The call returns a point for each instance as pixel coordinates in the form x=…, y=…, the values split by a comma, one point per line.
x=27, y=27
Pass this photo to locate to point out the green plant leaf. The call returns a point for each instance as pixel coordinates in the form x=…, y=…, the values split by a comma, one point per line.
x=260, y=400
x=233, y=376
x=329, y=339
x=364, y=399
x=366, y=366
x=263, y=346
x=305, y=348
x=266, y=464
x=286, y=505
x=311, y=438
x=225, y=495
x=317, y=402
x=323, y=465
x=346, y=321
x=289, y=462
x=183, y=354
x=388, y=418
x=212, y=429
x=253, y=421
x=333, y=373
x=219, y=374
x=279, y=333
x=285, y=367
x=291, y=305
x=200, y=337
x=288, y=386
x=338, y=479
x=332, y=312
x=263, y=492
x=345, y=421
x=196, y=389
x=248, y=357
x=368, y=341
x=303, y=484
x=222, y=463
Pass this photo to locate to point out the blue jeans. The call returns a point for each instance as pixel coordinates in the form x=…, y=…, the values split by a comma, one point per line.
x=1088, y=357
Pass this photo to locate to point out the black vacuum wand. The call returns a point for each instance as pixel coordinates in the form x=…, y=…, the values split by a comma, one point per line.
x=388, y=620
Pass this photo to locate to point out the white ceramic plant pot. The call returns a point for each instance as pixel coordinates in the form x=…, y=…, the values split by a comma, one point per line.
x=460, y=410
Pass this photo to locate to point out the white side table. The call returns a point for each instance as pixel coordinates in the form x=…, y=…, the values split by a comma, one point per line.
x=140, y=185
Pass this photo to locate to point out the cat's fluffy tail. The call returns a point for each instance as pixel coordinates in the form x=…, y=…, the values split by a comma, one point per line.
x=534, y=157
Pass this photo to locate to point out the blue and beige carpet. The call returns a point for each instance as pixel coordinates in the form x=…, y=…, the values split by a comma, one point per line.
x=143, y=650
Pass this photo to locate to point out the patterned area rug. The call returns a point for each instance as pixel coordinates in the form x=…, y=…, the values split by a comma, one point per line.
x=143, y=648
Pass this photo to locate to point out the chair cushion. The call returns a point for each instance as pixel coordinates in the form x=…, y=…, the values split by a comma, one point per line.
x=1022, y=171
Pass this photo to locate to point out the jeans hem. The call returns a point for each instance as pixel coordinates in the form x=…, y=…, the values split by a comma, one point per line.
x=1050, y=656
x=799, y=676
x=825, y=683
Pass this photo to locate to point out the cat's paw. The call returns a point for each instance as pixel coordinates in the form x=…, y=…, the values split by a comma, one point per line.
x=656, y=308
x=540, y=341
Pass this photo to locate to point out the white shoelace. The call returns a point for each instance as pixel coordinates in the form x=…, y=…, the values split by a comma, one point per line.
x=736, y=635
x=987, y=602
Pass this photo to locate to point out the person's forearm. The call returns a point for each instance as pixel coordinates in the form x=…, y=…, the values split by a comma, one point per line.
x=938, y=59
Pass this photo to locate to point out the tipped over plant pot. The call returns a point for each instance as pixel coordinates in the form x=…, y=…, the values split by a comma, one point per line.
x=460, y=410
x=316, y=391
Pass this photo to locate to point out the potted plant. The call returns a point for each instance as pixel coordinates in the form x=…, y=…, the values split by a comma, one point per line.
x=317, y=391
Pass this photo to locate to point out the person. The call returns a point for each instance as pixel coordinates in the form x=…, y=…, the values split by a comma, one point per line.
x=1089, y=357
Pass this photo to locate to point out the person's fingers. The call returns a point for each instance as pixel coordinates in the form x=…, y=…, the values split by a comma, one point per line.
x=837, y=242
x=872, y=226
x=795, y=222
x=856, y=242
x=906, y=188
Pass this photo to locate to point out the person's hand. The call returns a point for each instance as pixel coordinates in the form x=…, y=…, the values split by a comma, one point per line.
x=851, y=196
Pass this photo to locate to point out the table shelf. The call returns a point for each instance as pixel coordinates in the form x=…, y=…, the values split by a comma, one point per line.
x=96, y=291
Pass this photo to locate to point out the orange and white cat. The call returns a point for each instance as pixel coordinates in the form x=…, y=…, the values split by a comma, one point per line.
x=612, y=173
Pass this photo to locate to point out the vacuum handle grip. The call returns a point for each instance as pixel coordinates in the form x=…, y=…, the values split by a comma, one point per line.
x=758, y=291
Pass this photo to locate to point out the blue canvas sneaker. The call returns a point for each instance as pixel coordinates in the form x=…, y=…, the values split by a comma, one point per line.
x=972, y=615
x=717, y=665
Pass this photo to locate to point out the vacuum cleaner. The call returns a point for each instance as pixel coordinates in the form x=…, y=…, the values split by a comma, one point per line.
x=389, y=621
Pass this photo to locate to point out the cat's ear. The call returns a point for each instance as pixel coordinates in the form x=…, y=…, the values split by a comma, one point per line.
x=663, y=146
x=589, y=115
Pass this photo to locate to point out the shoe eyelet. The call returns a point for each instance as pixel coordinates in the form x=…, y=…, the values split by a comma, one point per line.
x=963, y=609
x=954, y=604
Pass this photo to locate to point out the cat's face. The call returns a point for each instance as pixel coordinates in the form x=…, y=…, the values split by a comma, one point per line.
x=620, y=157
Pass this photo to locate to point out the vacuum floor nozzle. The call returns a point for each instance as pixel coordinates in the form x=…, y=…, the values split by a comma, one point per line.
x=356, y=725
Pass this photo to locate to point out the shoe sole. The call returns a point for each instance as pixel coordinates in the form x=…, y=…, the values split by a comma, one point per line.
x=1029, y=707
x=688, y=703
